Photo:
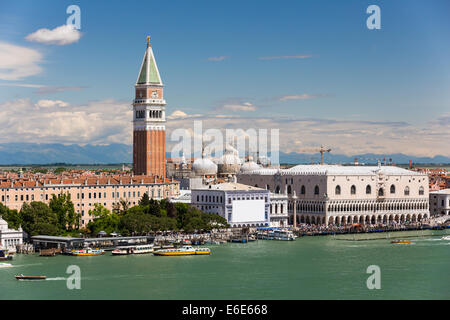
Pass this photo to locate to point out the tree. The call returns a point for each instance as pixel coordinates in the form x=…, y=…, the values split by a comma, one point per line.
x=37, y=217
x=64, y=209
x=171, y=210
x=11, y=216
x=104, y=220
x=145, y=200
x=155, y=208
x=59, y=170
x=135, y=221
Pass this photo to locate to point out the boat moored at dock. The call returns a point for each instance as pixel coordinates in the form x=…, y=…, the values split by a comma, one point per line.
x=88, y=252
x=183, y=251
x=128, y=250
x=282, y=235
x=5, y=255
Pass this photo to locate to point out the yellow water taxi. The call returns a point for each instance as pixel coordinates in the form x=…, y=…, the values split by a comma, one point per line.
x=88, y=252
x=401, y=241
x=183, y=251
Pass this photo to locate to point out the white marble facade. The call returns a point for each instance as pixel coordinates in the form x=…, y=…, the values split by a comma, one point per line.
x=339, y=195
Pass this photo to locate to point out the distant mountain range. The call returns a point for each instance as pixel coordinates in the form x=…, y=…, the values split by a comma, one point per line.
x=35, y=153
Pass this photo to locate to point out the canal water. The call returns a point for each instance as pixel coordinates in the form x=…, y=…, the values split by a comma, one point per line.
x=308, y=268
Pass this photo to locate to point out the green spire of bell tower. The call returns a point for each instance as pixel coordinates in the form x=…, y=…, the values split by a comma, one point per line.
x=149, y=73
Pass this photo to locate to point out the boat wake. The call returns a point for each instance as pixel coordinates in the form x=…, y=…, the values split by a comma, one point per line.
x=55, y=279
x=5, y=265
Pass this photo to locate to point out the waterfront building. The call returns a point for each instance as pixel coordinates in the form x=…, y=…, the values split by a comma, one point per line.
x=241, y=205
x=440, y=202
x=279, y=215
x=85, y=191
x=339, y=195
x=10, y=238
x=149, y=118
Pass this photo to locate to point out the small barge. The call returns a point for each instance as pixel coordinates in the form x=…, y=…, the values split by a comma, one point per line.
x=22, y=277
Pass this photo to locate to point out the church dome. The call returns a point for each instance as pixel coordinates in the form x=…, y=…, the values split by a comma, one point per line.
x=204, y=166
x=230, y=164
x=250, y=165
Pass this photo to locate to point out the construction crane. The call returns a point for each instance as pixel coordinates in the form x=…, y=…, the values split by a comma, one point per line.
x=322, y=150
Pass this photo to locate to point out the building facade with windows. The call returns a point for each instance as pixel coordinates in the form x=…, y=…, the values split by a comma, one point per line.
x=279, y=215
x=9, y=238
x=339, y=195
x=240, y=205
x=87, y=191
x=440, y=202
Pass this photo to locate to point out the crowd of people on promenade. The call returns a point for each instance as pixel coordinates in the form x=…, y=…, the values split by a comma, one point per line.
x=351, y=228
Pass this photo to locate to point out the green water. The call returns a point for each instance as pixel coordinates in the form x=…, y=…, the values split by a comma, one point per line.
x=308, y=268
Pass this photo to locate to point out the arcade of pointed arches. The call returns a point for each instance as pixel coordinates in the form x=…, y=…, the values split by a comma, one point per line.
x=363, y=211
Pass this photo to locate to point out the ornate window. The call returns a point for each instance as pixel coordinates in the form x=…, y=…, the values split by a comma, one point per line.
x=303, y=190
x=421, y=191
x=380, y=192
x=392, y=189
x=289, y=189
x=338, y=190
x=316, y=190
x=368, y=189
x=407, y=191
x=353, y=189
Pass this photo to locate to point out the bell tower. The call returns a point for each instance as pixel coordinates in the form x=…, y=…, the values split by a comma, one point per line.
x=149, y=118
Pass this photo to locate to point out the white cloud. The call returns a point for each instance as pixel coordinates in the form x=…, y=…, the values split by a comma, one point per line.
x=44, y=89
x=109, y=121
x=303, y=96
x=342, y=136
x=246, y=106
x=97, y=122
x=51, y=103
x=221, y=58
x=18, y=62
x=62, y=35
x=177, y=114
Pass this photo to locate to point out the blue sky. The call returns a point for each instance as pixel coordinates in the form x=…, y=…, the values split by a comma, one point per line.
x=215, y=54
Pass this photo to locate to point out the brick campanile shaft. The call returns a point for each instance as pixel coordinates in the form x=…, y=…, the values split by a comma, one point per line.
x=149, y=118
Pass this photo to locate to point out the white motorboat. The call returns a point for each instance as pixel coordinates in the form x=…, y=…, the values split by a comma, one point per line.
x=127, y=250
